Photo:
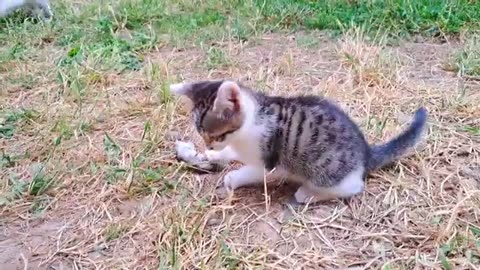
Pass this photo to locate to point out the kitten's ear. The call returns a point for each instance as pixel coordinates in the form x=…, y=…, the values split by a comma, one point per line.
x=181, y=89
x=228, y=98
x=185, y=91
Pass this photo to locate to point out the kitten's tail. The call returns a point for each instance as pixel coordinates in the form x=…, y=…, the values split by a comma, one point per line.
x=381, y=155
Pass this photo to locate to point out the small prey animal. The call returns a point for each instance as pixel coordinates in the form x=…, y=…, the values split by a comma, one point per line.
x=305, y=139
x=8, y=6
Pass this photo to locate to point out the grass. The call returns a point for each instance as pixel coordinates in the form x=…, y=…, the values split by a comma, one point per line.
x=11, y=119
x=466, y=61
x=114, y=231
x=217, y=58
x=397, y=17
x=88, y=173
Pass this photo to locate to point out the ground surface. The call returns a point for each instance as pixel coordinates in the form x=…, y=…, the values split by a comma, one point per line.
x=90, y=180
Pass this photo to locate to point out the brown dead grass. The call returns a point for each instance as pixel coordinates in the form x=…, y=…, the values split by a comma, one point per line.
x=93, y=220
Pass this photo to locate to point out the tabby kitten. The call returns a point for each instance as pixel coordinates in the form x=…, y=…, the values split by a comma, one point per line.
x=307, y=139
x=8, y=6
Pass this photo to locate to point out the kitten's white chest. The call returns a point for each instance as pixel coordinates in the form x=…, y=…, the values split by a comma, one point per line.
x=248, y=151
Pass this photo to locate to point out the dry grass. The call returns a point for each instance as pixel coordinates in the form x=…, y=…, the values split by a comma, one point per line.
x=120, y=200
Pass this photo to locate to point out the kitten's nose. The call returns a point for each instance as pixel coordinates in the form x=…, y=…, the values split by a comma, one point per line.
x=210, y=148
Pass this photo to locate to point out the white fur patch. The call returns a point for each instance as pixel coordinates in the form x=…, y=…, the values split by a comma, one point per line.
x=351, y=185
x=246, y=141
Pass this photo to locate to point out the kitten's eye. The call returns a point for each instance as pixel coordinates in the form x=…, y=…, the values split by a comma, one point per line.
x=222, y=136
x=218, y=138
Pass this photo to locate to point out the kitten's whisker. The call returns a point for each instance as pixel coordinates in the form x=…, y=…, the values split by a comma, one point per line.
x=265, y=190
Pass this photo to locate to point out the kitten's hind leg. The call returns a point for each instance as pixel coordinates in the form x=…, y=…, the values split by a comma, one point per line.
x=351, y=185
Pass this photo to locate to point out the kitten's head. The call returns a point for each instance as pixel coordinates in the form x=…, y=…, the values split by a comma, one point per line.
x=217, y=110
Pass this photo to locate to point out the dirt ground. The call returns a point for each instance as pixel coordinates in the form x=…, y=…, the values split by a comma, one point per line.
x=409, y=214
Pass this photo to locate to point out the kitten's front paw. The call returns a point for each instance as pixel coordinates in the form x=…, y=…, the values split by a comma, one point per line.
x=244, y=176
x=229, y=181
x=213, y=156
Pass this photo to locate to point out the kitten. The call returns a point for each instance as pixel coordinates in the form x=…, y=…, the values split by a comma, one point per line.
x=307, y=139
x=8, y=6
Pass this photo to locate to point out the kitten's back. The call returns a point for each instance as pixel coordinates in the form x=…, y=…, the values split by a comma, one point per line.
x=314, y=138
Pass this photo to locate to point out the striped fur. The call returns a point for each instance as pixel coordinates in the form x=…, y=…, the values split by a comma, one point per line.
x=307, y=139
